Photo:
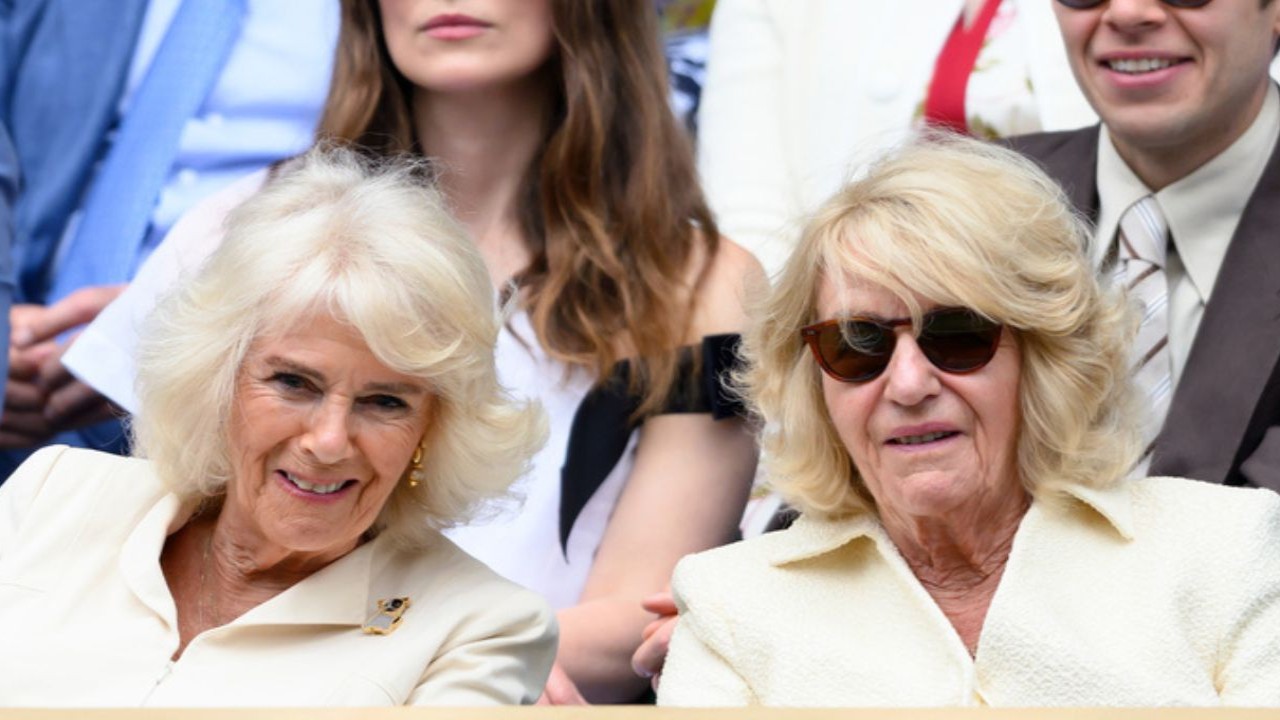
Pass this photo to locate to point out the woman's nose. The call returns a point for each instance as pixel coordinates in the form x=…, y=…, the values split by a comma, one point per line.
x=328, y=435
x=910, y=378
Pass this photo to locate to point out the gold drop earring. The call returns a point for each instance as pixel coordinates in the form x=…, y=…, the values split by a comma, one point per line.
x=415, y=467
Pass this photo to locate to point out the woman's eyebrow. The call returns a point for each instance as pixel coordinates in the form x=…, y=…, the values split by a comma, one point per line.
x=392, y=387
x=293, y=366
x=396, y=388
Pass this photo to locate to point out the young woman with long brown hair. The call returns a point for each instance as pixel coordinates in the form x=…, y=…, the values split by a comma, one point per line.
x=549, y=123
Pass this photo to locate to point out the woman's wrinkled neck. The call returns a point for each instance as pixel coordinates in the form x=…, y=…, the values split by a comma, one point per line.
x=242, y=557
x=964, y=549
x=960, y=557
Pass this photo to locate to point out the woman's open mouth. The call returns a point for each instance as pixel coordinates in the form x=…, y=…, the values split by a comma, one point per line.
x=314, y=488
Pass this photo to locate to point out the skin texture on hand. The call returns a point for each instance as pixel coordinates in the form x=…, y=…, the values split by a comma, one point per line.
x=41, y=397
x=560, y=690
x=652, y=653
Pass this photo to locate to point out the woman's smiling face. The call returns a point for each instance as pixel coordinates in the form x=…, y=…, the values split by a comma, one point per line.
x=321, y=432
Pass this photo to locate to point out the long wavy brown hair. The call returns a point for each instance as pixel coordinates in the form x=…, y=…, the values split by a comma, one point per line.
x=613, y=212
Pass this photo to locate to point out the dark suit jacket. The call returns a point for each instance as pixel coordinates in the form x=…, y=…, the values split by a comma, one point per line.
x=1224, y=421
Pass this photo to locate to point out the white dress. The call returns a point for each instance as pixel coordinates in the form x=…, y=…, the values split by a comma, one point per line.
x=522, y=543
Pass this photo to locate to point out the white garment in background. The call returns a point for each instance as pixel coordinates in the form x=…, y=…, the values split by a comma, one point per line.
x=801, y=94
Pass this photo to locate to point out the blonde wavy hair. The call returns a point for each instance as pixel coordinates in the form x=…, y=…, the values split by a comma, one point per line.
x=371, y=244
x=961, y=223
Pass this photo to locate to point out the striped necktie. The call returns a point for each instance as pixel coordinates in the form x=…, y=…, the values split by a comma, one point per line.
x=1143, y=247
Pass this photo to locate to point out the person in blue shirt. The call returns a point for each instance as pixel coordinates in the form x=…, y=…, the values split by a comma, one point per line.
x=73, y=75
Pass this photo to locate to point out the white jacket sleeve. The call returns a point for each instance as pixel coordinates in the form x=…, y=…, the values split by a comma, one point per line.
x=501, y=655
x=697, y=673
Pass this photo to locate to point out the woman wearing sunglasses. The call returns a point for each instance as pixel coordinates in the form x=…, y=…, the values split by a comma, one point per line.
x=945, y=392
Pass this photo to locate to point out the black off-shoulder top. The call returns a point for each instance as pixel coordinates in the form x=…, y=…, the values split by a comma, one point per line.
x=605, y=420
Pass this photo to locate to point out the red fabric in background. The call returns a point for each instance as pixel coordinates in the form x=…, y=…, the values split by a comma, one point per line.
x=944, y=105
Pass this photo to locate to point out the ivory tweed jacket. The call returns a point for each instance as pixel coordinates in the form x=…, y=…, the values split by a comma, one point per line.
x=1161, y=591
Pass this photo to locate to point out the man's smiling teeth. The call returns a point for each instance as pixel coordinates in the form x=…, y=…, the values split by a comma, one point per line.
x=317, y=489
x=1136, y=66
x=919, y=439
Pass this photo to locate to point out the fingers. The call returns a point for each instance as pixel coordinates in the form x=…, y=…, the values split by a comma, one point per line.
x=34, y=324
x=25, y=363
x=76, y=405
x=653, y=627
x=23, y=423
x=649, y=658
x=23, y=314
x=20, y=395
x=42, y=398
x=662, y=603
x=560, y=689
x=30, y=418
x=23, y=428
x=52, y=373
x=69, y=403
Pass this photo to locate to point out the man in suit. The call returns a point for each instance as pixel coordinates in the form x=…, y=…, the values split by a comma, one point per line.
x=1191, y=119
x=73, y=75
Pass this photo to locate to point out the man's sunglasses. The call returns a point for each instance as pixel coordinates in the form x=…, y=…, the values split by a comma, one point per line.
x=1086, y=4
x=858, y=349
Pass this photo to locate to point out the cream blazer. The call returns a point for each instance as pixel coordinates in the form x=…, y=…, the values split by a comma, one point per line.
x=86, y=618
x=1162, y=591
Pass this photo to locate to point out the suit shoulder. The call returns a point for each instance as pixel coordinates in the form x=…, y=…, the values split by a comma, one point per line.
x=1047, y=146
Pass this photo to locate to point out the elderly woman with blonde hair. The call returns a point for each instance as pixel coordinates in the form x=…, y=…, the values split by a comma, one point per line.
x=945, y=393
x=320, y=400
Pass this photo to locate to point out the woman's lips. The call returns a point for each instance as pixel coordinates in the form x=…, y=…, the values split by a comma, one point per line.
x=921, y=436
x=314, y=489
x=454, y=27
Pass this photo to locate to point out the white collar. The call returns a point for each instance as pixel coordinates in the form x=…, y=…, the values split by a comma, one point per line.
x=812, y=536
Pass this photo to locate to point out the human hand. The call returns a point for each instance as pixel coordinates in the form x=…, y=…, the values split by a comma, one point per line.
x=560, y=689
x=649, y=658
x=22, y=423
x=41, y=397
x=70, y=403
x=35, y=324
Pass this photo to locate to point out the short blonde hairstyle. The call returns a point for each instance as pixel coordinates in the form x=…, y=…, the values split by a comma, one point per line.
x=372, y=245
x=961, y=223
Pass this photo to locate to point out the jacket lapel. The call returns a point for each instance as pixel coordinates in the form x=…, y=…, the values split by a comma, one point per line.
x=1235, y=348
x=1071, y=159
